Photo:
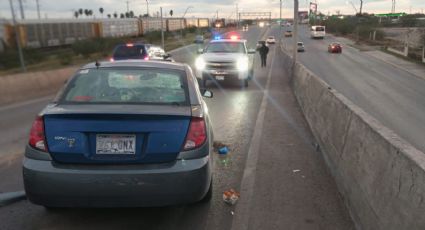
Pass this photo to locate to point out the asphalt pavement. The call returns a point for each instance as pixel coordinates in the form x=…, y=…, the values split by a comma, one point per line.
x=392, y=95
x=284, y=182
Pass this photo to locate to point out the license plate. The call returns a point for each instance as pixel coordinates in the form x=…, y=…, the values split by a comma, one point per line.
x=115, y=144
x=220, y=78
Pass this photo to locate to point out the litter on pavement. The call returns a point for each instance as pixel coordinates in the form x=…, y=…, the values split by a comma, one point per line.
x=296, y=170
x=223, y=150
x=231, y=196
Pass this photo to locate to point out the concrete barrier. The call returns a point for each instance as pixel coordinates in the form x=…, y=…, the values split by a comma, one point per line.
x=381, y=176
x=25, y=86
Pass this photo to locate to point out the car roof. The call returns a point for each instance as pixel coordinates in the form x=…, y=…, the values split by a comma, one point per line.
x=228, y=40
x=138, y=63
x=134, y=44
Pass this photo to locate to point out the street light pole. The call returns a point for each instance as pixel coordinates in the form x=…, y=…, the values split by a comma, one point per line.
x=147, y=8
x=280, y=18
x=162, y=30
x=295, y=34
x=181, y=21
x=17, y=37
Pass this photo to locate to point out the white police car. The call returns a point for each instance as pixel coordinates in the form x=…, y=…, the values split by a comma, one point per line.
x=225, y=59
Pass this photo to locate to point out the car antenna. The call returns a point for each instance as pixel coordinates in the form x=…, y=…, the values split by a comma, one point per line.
x=97, y=64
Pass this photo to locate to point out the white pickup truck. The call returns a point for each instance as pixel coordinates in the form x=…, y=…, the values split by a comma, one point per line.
x=226, y=59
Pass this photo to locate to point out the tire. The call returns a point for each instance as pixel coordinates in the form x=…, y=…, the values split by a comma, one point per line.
x=208, y=196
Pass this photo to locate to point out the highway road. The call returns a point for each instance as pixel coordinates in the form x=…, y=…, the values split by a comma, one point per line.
x=285, y=183
x=393, y=96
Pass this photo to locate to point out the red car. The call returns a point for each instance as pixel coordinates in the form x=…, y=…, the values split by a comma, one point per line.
x=334, y=48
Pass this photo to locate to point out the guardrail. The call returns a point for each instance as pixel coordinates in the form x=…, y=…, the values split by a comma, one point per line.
x=381, y=176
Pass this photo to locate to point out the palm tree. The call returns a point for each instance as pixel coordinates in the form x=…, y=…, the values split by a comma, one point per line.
x=101, y=11
x=76, y=14
x=122, y=15
x=90, y=12
x=86, y=12
x=80, y=11
x=131, y=14
x=115, y=15
x=127, y=14
x=109, y=15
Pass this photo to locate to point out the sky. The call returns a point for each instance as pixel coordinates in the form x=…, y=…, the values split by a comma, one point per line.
x=202, y=8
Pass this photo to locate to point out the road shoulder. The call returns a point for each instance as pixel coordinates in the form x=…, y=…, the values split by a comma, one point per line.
x=293, y=188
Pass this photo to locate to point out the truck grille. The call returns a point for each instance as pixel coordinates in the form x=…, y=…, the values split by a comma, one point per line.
x=220, y=66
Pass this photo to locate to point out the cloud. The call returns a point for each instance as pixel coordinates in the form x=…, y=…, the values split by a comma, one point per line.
x=204, y=8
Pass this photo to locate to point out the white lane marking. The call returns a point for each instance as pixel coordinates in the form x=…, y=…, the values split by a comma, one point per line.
x=243, y=208
x=25, y=103
x=11, y=197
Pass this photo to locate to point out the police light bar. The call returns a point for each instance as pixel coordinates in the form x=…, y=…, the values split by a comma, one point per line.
x=129, y=45
x=234, y=37
x=217, y=37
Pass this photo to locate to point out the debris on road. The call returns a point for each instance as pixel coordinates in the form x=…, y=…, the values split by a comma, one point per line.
x=223, y=150
x=231, y=196
x=232, y=212
x=218, y=145
x=296, y=170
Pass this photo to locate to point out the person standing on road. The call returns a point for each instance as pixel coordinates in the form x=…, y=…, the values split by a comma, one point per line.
x=263, y=50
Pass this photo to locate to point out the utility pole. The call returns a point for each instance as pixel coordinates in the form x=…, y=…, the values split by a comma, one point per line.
x=237, y=17
x=147, y=8
x=17, y=37
x=127, y=6
x=162, y=30
x=38, y=8
x=217, y=14
x=21, y=7
x=280, y=18
x=295, y=34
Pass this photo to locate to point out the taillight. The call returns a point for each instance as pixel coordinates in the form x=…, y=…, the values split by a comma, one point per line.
x=37, y=138
x=196, y=135
x=111, y=59
x=146, y=58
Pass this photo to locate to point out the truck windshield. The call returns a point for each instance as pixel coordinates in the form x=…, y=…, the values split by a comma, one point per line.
x=225, y=47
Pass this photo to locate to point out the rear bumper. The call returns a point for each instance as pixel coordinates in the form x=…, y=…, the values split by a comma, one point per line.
x=179, y=182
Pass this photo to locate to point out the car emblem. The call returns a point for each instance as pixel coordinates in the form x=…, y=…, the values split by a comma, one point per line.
x=71, y=142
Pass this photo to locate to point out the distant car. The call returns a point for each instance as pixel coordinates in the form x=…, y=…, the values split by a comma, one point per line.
x=199, y=39
x=128, y=51
x=271, y=40
x=245, y=28
x=158, y=54
x=335, y=48
x=288, y=33
x=122, y=134
x=300, y=47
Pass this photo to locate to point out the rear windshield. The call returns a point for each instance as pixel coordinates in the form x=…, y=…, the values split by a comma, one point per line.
x=127, y=86
x=319, y=28
x=124, y=51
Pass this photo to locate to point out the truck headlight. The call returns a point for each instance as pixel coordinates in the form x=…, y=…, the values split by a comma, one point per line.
x=200, y=63
x=242, y=64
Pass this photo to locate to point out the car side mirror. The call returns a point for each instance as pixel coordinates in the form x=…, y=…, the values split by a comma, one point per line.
x=200, y=51
x=207, y=93
x=251, y=51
